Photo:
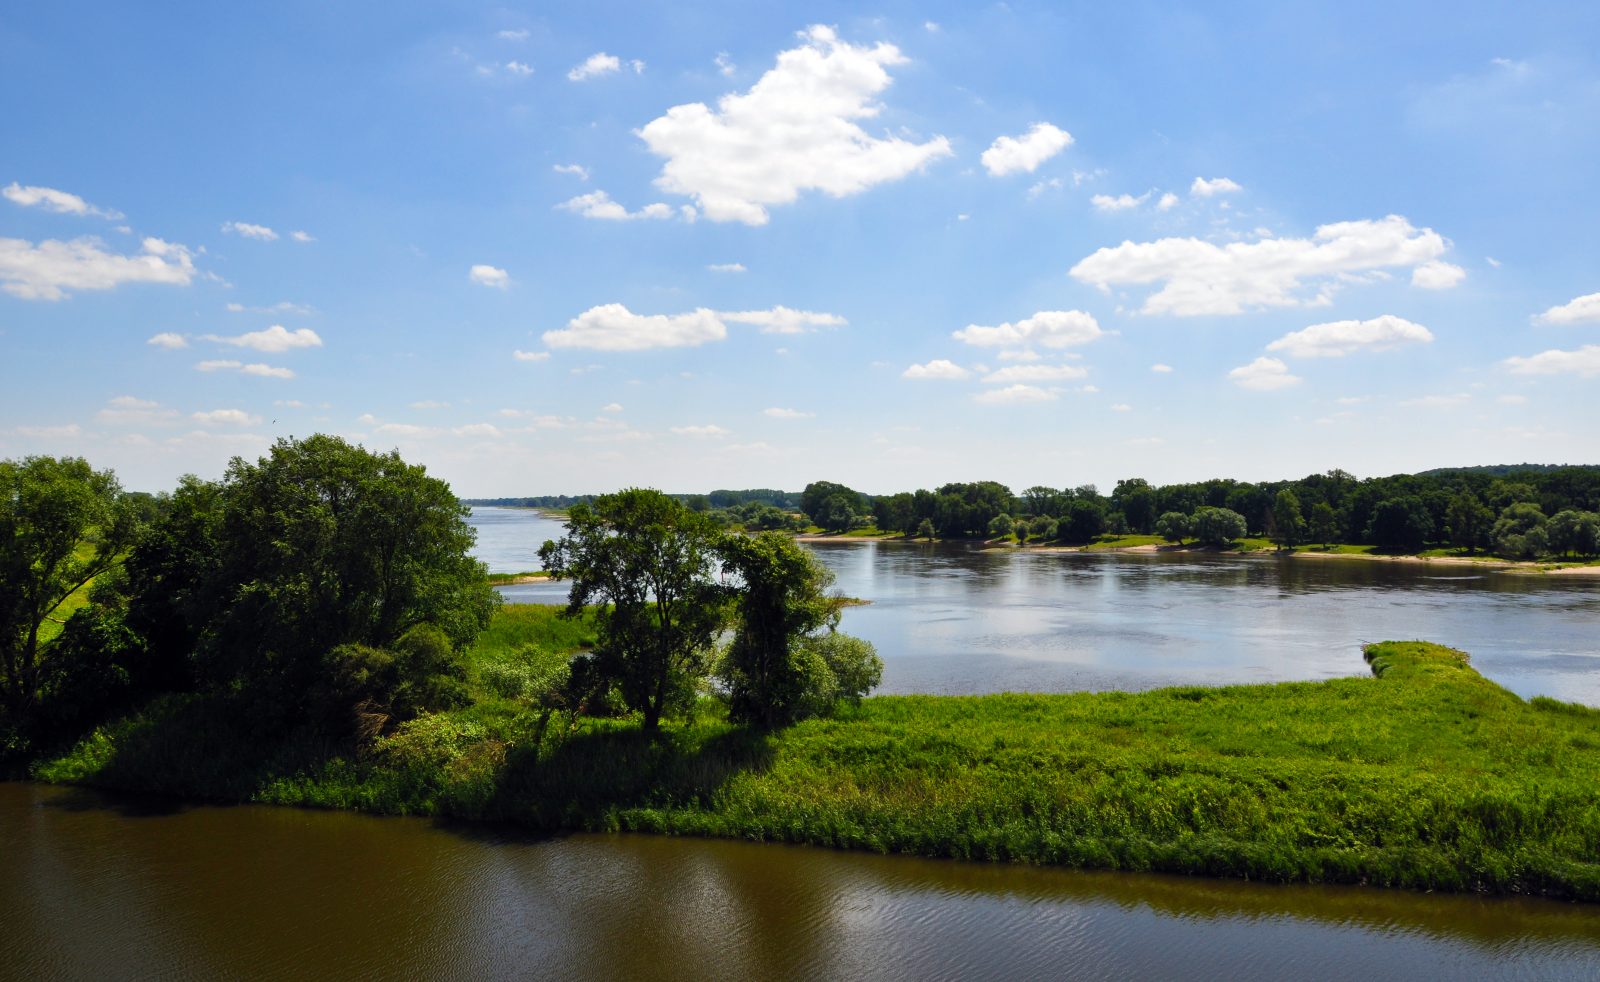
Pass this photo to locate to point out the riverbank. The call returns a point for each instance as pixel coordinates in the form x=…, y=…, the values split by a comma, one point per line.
x=1423, y=775
x=1551, y=568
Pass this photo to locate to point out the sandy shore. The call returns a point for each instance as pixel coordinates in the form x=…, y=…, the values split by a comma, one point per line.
x=1484, y=562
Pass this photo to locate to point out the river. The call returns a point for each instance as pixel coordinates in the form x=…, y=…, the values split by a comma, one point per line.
x=958, y=619
x=108, y=887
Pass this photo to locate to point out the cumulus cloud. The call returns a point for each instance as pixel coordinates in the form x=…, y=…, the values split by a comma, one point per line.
x=611, y=407
x=1048, y=328
x=778, y=413
x=1015, y=395
x=613, y=327
x=226, y=417
x=60, y=202
x=595, y=65
x=1122, y=202
x=482, y=430
x=430, y=404
x=255, y=368
x=939, y=368
x=1217, y=185
x=250, y=231
x=1437, y=275
x=301, y=235
x=1263, y=375
x=1035, y=373
x=1161, y=369
x=520, y=34
x=168, y=339
x=133, y=411
x=1014, y=154
x=1200, y=277
x=576, y=170
x=795, y=130
x=598, y=204
x=1168, y=202
x=1338, y=338
x=48, y=270
x=710, y=430
x=783, y=320
x=492, y=276
x=726, y=267
x=521, y=355
x=1584, y=362
x=519, y=68
x=1580, y=310
x=274, y=339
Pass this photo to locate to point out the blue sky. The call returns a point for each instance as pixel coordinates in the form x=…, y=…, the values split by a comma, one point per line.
x=548, y=250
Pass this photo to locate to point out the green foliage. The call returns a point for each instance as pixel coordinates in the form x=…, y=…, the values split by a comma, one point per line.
x=1469, y=522
x=834, y=507
x=1400, y=523
x=649, y=562
x=1520, y=531
x=1174, y=526
x=925, y=529
x=61, y=525
x=1083, y=520
x=1000, y=526
x=1324, y=526
x=1573, y=532
x=1217, y=526
x=1287, y=525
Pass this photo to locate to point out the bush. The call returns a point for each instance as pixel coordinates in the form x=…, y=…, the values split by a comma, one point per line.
x=1520, y=531
x=1217, y=526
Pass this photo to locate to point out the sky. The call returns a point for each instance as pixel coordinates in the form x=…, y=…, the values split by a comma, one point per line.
x=551, y=249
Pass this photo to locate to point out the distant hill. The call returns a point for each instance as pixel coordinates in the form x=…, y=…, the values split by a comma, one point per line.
x=1499, y=470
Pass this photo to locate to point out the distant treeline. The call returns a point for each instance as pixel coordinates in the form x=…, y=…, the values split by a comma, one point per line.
x=722, y=498
x=1461, y=507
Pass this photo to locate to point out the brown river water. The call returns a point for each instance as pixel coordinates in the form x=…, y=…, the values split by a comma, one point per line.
x=109, y=887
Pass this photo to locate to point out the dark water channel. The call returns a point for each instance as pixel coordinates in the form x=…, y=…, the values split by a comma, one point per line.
x=98, y=887
x=953, y=619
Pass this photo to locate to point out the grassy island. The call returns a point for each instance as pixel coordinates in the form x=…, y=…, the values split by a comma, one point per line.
x=1421, y=775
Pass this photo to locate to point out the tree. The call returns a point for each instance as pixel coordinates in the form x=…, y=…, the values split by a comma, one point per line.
x=1136, y=500
x=1000, y=526
x=1520, y=531
x=1173, y=526
x=1083, y=520
x=649, y=562
x=1045, y=529
x=1217, y=526
x=837, y=513
x=1469, y=521
x=1324, y=523
x=1572, y=531
x=774, y=672
x=62, y=524
x=925, y=529
x=1401, y=524
x=1288, y=527
x=818, y=492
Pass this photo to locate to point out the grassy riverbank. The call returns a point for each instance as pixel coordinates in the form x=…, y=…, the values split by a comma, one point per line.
x=1422, y=774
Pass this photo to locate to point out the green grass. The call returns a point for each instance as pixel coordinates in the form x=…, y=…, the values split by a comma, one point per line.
x=56, y=622
x=519, y=627
x=502, y=579
x=1124, y=542
x=1422, y=774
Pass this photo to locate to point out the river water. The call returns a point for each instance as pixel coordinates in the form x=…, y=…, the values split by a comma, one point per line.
x=956, y=619
x=103, y=887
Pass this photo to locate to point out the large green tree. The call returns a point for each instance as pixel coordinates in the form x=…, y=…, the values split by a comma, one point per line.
x=649, y=563
x=1287, y=524
x=62, y=524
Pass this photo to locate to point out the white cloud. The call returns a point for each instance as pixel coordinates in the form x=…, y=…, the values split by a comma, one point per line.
x=778, y=413
x=485, y=275
x=1121, y=407
x=61, y=202
x=488, y=430
x=1437, y=275
x=228, y=417
x=300, y=235
x=1011, y=154
x=65, y=431
x=1512, y=400
x=598, y=204
x=273, y=339
x=168, y=339
x=710, y=430
x=430, y=404
x=281, y=307
x=939, y=368
x=1015, y=395
x=1035, y=373
x=519, y=68
x=576, y=170
x=1263, y=375
x=519, y=34
x=613, y=327
x=48, y=270
x=1122, y=202
x=1168, y=202
x=725, y=65
x=783, y=320
x=521, y=355
x=1053, y=184
x=1048, y=328
x=1161, y=369
x=726, y=267
x=793, y=131
x=1437, y=402
x=405, y=430
x=1584, y=362
x=289, y=403
x=133, y=411
x=255, y=368
x=1200, y=277
x=1217, y=185
x=595, y=65
x=1580, y=310
x=250, y=231
x=1338, y=338
x=611, y=407
x=1019, y=354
